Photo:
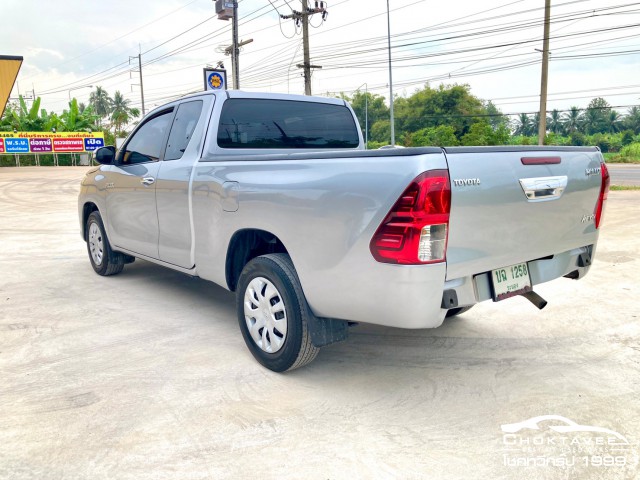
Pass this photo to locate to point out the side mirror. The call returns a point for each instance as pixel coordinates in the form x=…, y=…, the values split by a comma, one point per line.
x=105, y=155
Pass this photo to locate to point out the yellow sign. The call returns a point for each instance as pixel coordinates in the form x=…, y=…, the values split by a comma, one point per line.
x=9, y=67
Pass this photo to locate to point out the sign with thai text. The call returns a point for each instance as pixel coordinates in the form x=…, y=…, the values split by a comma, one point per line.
x=48, y=142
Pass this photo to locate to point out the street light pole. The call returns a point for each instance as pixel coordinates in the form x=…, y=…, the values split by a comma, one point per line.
x=393, y=133
x=78, y=88
x=366, y=113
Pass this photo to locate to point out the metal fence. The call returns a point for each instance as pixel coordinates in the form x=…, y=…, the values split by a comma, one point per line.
x=46, y=160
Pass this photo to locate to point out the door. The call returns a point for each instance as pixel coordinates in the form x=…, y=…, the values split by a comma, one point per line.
x=172, y=186
x=131, y=187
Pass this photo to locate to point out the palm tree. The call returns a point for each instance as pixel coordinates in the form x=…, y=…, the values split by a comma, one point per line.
x=632, y=120
x=614, y=122
x=535, y=124
x=572, y=120
x=554, y=122
x=522, y=124
x=101, y=102
x=592, y=121
x=122, y=113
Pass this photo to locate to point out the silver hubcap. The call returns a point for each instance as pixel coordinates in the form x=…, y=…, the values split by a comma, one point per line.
x=265, y=314
x=96, y=245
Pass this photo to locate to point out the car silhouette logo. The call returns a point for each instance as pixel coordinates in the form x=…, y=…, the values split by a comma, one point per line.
x=559, y=424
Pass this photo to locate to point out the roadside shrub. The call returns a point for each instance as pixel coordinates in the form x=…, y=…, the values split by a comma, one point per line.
x=577, y=139
x=631, y=150
x=627, y=137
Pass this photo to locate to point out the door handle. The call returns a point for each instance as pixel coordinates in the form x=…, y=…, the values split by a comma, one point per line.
x=148, y=181
x=543, y=188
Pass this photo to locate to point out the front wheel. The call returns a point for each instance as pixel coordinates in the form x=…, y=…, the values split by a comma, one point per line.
x=272, y=313
x=104, y=261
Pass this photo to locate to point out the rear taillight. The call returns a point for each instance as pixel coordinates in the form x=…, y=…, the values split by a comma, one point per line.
x=602, y=197
x=415, y=230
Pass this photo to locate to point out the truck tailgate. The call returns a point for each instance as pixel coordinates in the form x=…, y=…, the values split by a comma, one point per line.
x=493, y=223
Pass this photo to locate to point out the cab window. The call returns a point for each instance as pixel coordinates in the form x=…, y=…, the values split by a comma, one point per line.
x=147, y=143
x=182, y=129
x=264, y=123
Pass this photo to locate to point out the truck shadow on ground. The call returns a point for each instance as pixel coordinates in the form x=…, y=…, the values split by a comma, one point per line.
x=460, y=341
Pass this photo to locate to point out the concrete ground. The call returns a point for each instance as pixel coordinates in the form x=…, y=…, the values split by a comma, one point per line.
x=145, y=375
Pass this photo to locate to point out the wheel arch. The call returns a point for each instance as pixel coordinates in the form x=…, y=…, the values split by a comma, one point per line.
x=87, y=209
x=245, y=245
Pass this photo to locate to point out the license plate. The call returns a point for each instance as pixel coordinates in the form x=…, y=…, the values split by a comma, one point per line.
x=510, y=281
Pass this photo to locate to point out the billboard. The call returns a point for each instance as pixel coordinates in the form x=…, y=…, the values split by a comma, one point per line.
x=26, y=143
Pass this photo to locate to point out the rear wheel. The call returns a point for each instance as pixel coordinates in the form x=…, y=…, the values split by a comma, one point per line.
x=272, y=313
x=104, y=261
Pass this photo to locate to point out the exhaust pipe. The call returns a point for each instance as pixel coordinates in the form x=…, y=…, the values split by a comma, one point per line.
x=536, y=299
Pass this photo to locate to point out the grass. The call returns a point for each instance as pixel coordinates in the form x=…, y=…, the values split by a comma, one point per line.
x=624, y=187
x=628, y=154
x=617, y=158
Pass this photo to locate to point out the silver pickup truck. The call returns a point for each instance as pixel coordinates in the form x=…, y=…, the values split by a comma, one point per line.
x=274, y=197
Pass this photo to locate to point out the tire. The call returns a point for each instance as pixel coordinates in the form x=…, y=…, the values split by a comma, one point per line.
x=104, y=261
x=454, y=312
x=273, y=313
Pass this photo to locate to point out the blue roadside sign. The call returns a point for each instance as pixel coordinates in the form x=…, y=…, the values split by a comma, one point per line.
x=16, y=145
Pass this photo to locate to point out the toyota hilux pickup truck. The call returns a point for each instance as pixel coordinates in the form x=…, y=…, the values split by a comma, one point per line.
x=275, y=197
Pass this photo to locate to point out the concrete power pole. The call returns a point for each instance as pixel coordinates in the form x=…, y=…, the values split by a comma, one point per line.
x=139, y=57
x=141, y=87
x=305, y=47
x=542, y=128
x=303, y=16
x=391, y=117
x=235, y=50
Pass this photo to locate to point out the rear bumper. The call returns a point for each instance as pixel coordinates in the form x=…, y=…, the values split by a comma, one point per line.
x=412, y=296
x=477, y=288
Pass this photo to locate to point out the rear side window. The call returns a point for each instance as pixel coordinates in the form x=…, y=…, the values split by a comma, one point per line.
x=258, y=123
x=182, y=129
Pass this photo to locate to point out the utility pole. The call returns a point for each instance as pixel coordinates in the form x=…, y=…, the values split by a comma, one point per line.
x=229, y=51
x=393, y=132
x=235, y=50
x=305, y=49
x=229, y=10
x=139, y=57
x=542, y=128
x=303, y=17
x=141, y=86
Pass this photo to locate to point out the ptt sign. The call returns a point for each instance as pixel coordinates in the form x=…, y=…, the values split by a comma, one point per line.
x=215, y=79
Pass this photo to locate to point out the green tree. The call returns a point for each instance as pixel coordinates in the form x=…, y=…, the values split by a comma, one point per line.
x=554, y=122
x=496, y=118
x=73, y=120
x=122, y=114
x=632, y=120
x=102, y=103
x=440, y=136
x=20, y=116
x=522, y=125
x=613, y=122
x=482, y=133
x=381, y=132
x=451, y=105
x=368, y=107
x=596, y=116
x=572, y=120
